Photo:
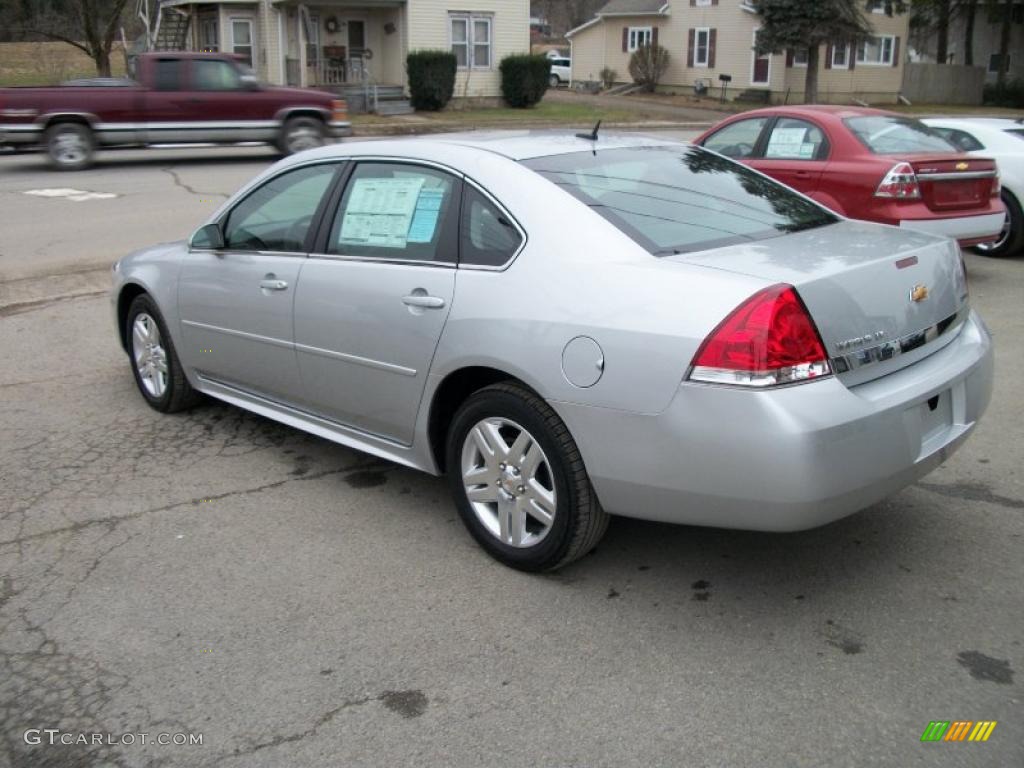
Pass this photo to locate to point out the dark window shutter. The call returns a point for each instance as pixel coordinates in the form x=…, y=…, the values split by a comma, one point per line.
x=789, y=57
x=712, y=34
x=654, y=37
x=896, y=52
x=625, y=39
x=828, y=56
x=851, y=60
x=692, y=35
x=693, y=3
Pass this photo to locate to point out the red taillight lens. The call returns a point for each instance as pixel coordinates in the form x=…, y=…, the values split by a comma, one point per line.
x=900, y=182
x=997, y=185
x=769, y=339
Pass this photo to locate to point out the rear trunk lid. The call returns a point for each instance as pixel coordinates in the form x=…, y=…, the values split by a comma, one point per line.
x=954, y=183
x=882, y=298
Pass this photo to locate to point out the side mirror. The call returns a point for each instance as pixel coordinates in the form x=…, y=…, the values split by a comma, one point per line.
x=250, y=83
x=208, y=237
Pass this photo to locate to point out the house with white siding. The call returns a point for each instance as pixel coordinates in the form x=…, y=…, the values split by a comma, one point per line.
x=346, y=43
x=708, y=38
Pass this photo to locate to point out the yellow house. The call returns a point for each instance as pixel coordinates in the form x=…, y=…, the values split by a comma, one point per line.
x=708, y=38
x=351, y=45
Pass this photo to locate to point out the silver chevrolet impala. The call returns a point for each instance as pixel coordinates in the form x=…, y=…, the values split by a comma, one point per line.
x=568, y=328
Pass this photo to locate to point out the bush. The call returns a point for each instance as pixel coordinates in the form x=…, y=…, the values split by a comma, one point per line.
x=431, y=78
x=524, y=79
x=608, y=77
x=647, y=65
x=1008, y=95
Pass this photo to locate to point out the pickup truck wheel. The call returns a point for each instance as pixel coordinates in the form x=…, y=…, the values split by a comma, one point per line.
x=69, y=146
x=554, y=82
x=301, y=133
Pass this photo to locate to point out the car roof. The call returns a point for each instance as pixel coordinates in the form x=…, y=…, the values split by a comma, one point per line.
x=999, y=123
x=840, y=111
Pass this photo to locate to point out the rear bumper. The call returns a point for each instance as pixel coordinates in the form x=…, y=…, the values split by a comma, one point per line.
x=968, y=230
x=791, y=458
x=339, y=129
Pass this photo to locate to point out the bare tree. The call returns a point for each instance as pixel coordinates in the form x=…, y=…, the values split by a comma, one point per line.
x=89, y=25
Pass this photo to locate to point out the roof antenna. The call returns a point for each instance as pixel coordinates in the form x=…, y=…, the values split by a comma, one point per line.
x=592, y=136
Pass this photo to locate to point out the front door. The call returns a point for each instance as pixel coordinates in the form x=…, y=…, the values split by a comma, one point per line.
x=795, y=153
x=374, y=297
x=762, y=67
x=235, y=303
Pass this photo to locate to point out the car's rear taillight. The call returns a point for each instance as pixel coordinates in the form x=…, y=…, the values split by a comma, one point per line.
x=997, y=185
x=900, y=183
x=769, y=339
x=339, y=111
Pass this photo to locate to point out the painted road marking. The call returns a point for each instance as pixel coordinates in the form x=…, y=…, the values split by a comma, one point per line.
x=76, y=195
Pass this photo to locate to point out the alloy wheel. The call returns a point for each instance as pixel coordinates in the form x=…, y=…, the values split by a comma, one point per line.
x=150, y=355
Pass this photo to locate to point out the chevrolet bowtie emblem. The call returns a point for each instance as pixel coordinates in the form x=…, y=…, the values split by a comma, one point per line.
x=919, y=293
x=962, y=166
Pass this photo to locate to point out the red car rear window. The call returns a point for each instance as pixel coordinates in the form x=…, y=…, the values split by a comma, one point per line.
x=890, y=135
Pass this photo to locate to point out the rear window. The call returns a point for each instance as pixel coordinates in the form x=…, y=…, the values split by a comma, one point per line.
x=676, y=199
x=887, y=135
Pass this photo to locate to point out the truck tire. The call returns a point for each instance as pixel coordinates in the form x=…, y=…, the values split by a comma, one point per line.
x=301, y=133
x=69, y=146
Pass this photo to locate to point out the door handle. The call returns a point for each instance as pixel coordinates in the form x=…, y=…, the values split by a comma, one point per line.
x=426, y=302
x=803, y=174
x=273, y=285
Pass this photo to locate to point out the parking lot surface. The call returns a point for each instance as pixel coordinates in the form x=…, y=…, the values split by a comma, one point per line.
x=300, y=604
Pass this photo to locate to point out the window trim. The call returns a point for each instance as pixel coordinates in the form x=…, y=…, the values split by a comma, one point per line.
x=822, y=153
x=633, y=43
x=515, y=223
x=848, y=47
x=252, y=37
x=882, y=62
x=696, y=47
x=1005, y=66
x=471, y=18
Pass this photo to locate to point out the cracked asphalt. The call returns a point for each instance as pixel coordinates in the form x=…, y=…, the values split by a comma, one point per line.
x=300, y=604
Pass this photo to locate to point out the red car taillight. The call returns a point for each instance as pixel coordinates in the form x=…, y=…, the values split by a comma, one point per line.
x=769, y=339
x=997, y=185
x=900, y=182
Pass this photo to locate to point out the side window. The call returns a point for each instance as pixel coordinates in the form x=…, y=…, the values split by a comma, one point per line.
x=396, y=211
x=213, y=75
x=277, y=216
x=793, y=139
x=737, y=139
x=167, y=75
x=960, y=139
x=488, y=238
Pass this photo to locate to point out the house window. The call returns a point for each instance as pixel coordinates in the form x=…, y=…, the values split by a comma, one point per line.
x=241, y=39
x=841, y=57
x=471, y=39
x=313, y=41
x=702, y=46
x=876, y=50
x=876, y=6
x=208, y=37
x=639, y=37
x=800, y=57
x=994, y=61
x=704, y=3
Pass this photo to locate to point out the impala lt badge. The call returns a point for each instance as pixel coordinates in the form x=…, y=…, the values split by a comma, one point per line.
x=919, y=292
x=859, y=341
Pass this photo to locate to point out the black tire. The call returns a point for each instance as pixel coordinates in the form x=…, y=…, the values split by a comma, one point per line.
x=69, y=146
x=301, y=133
x=554, y=81
x=579, y=522
x=1013, y=241
x=179, y=394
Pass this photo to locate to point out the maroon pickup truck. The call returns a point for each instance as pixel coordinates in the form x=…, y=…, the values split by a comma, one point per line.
x=177, y=98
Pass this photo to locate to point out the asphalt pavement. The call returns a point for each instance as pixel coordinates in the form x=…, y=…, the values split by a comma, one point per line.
x=295, y=603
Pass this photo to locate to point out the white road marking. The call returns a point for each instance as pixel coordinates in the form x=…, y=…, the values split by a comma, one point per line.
x=77, y=195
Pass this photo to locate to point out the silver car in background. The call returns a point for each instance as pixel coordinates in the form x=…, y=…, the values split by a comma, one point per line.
x=570, y=328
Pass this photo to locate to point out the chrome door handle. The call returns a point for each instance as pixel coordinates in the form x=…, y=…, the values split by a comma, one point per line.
x=273, y=285
x=426, y=302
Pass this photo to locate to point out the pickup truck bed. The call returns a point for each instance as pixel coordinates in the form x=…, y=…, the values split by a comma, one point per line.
x=177, y=98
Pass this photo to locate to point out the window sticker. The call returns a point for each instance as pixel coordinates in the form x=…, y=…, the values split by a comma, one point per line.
x=424, y=218
x=379, y=212
x=786, y=142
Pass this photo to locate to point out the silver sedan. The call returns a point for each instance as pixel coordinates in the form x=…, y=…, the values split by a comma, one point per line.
x=568, y=328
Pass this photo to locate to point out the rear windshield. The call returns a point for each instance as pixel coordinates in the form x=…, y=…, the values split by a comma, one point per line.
x=676, y=199
x=887, y=135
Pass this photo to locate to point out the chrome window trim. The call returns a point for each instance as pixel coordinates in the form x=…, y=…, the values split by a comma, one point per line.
x=515, y=222
x=375, y=260
x=956, y=176
x=890, y=350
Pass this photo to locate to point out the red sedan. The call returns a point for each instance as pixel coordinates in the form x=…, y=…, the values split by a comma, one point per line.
x=869, y=164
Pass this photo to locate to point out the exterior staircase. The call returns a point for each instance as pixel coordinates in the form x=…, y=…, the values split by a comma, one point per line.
x=172, y=29
x=381, y=99
x=754, y=96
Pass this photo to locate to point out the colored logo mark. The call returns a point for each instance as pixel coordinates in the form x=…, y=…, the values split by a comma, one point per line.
x=958, y=730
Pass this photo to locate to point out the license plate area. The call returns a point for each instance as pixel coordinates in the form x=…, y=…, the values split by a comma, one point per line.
x=935, y=419
x=969, y=193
